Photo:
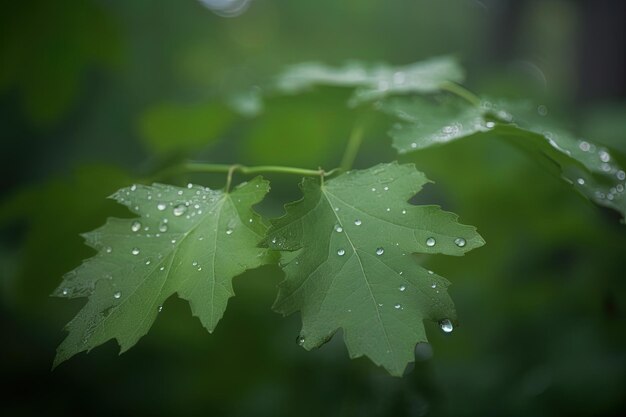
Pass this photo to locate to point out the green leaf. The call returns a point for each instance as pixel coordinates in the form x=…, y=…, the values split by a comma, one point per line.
x=174, y=128
x=347, y=253
x=373, y=82
x=589, y=167
x=190, y=241
x=430, y=121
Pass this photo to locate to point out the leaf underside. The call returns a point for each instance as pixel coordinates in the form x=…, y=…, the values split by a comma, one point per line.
x=190, y=241
x=346, y=249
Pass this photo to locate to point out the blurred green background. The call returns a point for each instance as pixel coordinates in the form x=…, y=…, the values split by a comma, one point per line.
x=97, y=94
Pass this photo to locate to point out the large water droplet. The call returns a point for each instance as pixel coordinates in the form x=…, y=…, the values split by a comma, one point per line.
x=584, y=146
x=341, y=252
x=581, y=181
x=163, y=227
x=338, y=228
x=380, y=251
x=179, y=210
x=357, y=222
x=460, y=242
x=135, y=226
x=446, y=325
x=430, y=242
x=161, y=206
x=604, y=156
x=117, y=295
x=135, y=251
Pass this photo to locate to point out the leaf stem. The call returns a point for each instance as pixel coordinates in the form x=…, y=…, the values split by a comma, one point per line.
x=461, y=91
x=230, y=169
x=352, y=148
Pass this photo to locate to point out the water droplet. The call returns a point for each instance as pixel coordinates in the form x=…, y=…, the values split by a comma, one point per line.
x=162, y=268
x=388, y=209
x=604, y=156
x=180, y=192
x=65, y=291
x=161, y=206
x=621, y=175
x=300, y=340
x=273, y=240
x=108, y=249
x=397, y=306
x=357, y=222
x=133, y=187
x=542, y=110
x=341, y=252
x=433, y=286
x=160, y=309
x=619, y=188
x=459, y=241
x=179, y=210
x=336, y=208
x=229, y=231
x=380, y=251
x=373, y=189
x=338, y=228
x=189, y=185
x=135, y=226
x=194, y=263
x=446, y=325
x=584, y=146
x=148, y=262
x=163, y=227
x=490, y=125
x=430, y=272
x=403, y=211
x=430, y=242
x=402, y=287
x=386, y=188
x=249, y=220
x=580, y=181
x=135, y=251
x=413, y=145
x=173, y=241
x=117, y=295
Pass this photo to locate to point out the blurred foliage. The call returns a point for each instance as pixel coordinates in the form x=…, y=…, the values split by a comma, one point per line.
x=541, y=307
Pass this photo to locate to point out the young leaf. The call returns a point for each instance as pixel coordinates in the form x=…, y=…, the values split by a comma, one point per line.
x=373, y=82
x=591, y=168
x=191, y=241
x=347, y=254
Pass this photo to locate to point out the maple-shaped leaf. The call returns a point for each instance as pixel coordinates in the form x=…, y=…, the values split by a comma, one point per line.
x=373, y=81
x=347, y=253
x=190, y=241
x=431, y=121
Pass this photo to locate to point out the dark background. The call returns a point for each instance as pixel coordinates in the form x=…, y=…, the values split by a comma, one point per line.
x=97, y=94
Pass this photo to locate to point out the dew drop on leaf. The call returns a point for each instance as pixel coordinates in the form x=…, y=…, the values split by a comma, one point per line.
x=160, y=309
x=341, y=252
x=357, y=222
x=163, y=227
x=402, y=288
x=108, y=249
x=380, y=251
x=229, y=231
x=117, y=295
x=179, y=210
x=300, y=340
x=446, y=325
x=430, y=242
x=397, y=306
x=161, y=206
x=135, y=226
x=135, y=251
x=460, y=242
x=338, y=228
